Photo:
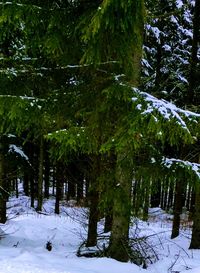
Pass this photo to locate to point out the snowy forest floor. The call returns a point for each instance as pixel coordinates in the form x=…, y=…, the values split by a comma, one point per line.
x=24, y=236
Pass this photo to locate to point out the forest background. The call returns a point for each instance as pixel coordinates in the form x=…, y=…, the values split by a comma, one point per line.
x=99, y=100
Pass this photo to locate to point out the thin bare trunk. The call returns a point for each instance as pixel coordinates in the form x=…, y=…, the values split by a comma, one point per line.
x=40, y=177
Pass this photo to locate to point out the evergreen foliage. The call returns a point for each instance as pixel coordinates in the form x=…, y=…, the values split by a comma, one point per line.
x=70, y=86
x=167, y=47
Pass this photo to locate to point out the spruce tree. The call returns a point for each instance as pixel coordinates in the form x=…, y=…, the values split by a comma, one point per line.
x=74, y=82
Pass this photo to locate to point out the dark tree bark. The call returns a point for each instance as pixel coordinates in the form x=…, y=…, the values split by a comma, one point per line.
x=108, y=220
x=146, y=201
x=46, y=174
x=86, y=189
x=72, y=181
x=30, y=151
x=93, y=198
x=32, y=187
x=40, y=177
x=156, y=195
x=80, y=184
x=3, y=195
x=36, y=161
x=195, y=241
x=59, y=185
x=192, y=204
x=170, y=196
x=118, y=246
x=93, y=218
x=165, y=195
x=16, y=187
x=54, y=180
x=178, y=204
x=136, y=198
x=110, y=167
x=71, y=193
x=194, y=77
x=26, y=183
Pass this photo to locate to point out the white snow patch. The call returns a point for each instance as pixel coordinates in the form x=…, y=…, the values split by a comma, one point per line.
x=166, y=47
x=18, y=150
x=25, y=234
x=179, y=4
x=168, y=162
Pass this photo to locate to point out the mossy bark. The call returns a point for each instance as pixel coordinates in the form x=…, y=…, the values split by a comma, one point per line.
x=108, y=220
x=118, y=246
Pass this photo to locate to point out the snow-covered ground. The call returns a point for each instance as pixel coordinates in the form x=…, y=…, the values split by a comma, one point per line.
x=24, y=237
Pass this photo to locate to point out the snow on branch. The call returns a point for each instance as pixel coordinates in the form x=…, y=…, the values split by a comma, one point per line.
x=36, y=7
x=18, y=150
x=195, y=167
x=20, y=5
x=167, y=109
x=22, y=97
x=15, y=71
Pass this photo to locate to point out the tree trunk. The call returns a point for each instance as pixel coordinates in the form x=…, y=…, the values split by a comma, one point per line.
x=156, y=194
x=192, y=204
x=54, y=180
x=118, y=246
x=40, y=177
x=171, y=195
x=46, y=174
x=93, y=218
x=71, y=192
x=93, y=198
x=80, y=184
x=195, y=241
x=146, y=201
x=16, y=187
x=32, y=186
x=165, y=195
x=178, y=204
x=188, y=199
x=3, y=194
x=193, y=78
x=72, y=182
x=26, y=183
x=59, y=185
x=108, y=220
x=137, y=200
